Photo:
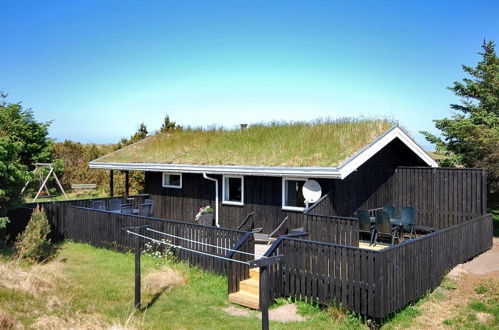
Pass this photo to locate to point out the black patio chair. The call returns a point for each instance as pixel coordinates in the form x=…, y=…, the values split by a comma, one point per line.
x=267, y=238
x=365, y=225
x=384, y=228
x=145, y=210
x=98, y=205
x=391, y=210
x=408, y=221
x=115, y=204
x=126, y=209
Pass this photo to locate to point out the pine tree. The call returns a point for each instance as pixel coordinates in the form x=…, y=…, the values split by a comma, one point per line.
x=471, y=137
x=169, y=125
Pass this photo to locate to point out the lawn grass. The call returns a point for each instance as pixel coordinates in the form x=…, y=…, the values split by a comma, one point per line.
x=321, y=143
x=96, y=286
x=495, y=222
x=481, y=312
x=99, y=284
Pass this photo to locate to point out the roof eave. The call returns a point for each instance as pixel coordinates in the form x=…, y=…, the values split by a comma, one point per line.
x=311, y=172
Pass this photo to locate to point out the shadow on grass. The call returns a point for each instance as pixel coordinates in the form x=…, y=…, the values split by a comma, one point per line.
x=150, y=303
x=495, y=222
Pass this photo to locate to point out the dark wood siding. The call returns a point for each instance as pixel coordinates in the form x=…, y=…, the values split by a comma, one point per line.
x=262, y=195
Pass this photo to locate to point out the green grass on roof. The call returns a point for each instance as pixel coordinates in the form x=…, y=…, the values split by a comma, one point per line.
x=322, y=143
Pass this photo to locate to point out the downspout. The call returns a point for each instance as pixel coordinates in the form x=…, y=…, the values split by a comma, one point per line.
x=216, y=197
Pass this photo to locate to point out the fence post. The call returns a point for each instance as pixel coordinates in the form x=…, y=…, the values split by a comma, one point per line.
x=264, y=264
x=137, y=241
x=137, y=268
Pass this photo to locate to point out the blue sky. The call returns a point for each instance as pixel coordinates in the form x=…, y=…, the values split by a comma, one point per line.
x=100, y=68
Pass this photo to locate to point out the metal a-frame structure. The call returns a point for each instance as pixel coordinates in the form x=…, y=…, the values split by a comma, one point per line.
x=44, y=181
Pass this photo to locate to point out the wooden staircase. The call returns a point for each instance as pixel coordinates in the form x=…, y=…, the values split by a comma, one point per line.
x=249, y=291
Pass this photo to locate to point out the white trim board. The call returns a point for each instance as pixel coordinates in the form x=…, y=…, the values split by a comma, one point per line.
x=229, y=202
x=340, y=172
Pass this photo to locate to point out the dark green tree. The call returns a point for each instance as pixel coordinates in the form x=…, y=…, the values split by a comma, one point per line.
x=23, y=141
x=136, y=137
x=471, y=136
x=29, y=134
x=169, y=125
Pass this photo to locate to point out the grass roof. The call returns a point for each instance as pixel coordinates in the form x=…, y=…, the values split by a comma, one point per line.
x=321, y=143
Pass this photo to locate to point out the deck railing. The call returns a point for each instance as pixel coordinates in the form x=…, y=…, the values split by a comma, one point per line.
x=374, y=283
x=333, y=229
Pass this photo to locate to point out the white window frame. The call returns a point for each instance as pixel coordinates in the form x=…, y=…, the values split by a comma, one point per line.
x=287, y=207
x=168, y=185
x=227, y=202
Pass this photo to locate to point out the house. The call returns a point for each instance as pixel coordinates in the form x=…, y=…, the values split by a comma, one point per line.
x=262, y=168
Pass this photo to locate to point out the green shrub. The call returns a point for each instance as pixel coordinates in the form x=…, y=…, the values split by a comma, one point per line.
x=33, y=243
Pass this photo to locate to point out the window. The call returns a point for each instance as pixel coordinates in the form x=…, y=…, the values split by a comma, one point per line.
x=292, y=196
x=172, y=180
x=233, y=190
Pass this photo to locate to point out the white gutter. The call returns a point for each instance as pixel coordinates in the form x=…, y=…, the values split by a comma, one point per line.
x=307, y=172
x=216, y=197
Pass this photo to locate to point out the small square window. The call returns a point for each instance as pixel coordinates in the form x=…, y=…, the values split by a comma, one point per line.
x=292, y=195
x=172, y=180
x=233, y=190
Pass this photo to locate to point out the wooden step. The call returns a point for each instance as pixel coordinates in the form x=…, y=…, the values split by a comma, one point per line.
x=250, y=285
x=245, y=299
x=254, y=273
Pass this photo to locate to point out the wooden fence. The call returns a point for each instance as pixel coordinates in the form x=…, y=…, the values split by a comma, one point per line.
x=442, y=197
x=333, y=229
x=56, y=213
x=104, y=229
x=374, y=283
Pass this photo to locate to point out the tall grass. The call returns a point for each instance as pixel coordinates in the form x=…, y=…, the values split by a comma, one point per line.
x=322, y=142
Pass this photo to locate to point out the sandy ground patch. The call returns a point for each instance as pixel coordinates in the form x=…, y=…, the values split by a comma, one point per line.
x=234, y=311
x=285, y=313
x=467, y=277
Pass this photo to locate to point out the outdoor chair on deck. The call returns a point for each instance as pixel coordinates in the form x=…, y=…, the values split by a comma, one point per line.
x=384, y=228
x=145, y=210
x=267, y=238
x=149, y=201
x=98, y=205
x=391, y=210
x=126, y=209
x=248, y=224
x=365, y=225
x=408, y=221
x=115, y=205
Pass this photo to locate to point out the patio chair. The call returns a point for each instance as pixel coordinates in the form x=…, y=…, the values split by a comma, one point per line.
x=267, y=238
x=145, y=210
x=391, y=210
x=384, y=228
x=249, y=220
x=126, y=209
x=98, y=205
x=149, y=201
x=408, y=220
x=115, y=204
x=365, y=225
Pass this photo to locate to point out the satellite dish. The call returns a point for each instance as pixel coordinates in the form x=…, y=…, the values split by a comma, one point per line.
x=312, y=191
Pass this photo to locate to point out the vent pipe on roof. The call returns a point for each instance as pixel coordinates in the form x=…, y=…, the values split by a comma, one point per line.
x=216, y=196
